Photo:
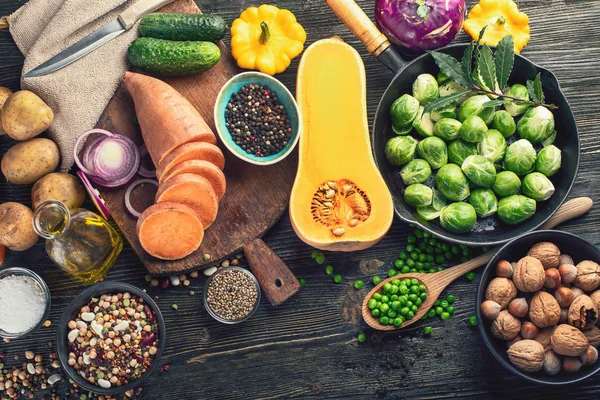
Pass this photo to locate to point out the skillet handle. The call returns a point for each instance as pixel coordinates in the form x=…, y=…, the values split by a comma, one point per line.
x=359, y=23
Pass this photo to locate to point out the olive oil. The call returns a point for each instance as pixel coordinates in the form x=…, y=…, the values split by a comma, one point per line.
x=80, y=242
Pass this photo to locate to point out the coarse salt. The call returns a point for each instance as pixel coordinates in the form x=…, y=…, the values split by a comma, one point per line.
x=22, y=303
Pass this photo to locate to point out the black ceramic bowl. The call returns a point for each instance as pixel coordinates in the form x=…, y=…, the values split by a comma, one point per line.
x=576, y=247
x=71, y=312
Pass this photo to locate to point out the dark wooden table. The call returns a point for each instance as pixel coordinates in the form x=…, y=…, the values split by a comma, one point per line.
x=307, y=347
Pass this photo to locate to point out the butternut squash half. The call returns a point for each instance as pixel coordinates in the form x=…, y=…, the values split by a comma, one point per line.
x=339, y=201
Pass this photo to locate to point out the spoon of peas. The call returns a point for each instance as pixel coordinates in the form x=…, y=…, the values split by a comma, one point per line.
x=401, y=300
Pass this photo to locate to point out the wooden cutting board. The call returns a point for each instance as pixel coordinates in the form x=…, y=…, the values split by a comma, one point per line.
x=256, y=196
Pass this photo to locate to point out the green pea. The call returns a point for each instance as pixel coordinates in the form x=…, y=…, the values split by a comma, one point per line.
x=398, y=321
x=395, y=282
x=405, y=269
x=444, y=304
x=414, y=289
x=379, y=303
x=404, y=311
x=411, y=239
x=439, y=310
x=440, y=268
x=431, y=270
x=403, y=289
x=412, y=297
x=386, y=287
x=337, y=278
x=414, y=282
x=470, y=276
x=485, y=249
x=445, y=315
x=392, y=272
x=437, y=302
x=422, y=257
x=440, y=259
x=422, y=288
x=448, y=255
x=414, y=256
x=426, y=234
x=410, y=262
x=410, y=248
x=412, y=270
x=361, y=337
x=372, y=304
x=377, y=296
x=314, y=254
x=423, y=296
x=376, y=280
x=406, y=282
x=450, y=298
x=403, y=256
x=424, y=316
x=410, y=315
x=450, y=310
x=419, y=265
x=392, y=314
x=376, y=313
x=329, y=270
x=385, y=299
x=431, y=313
x=428, y=330
x=455, y=249
x=394, y=289
x=384, y=320
x=429, y=250
x=409, y=304
x=301, y=281
x=395, y=305
x=384, y=308
x=320, y=259
x=358, y=284
x=398, y=263
x=418, y=302
x=473, y=320
x=414, y=308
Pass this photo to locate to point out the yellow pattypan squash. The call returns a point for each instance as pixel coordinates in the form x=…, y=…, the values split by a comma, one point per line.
x=502, y=18
x=266, y=39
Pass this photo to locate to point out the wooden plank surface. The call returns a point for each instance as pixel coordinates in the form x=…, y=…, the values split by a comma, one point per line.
x=250, y=206
x=307, y=348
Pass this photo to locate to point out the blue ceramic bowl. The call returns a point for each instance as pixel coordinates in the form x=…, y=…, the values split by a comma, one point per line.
x=285, y=98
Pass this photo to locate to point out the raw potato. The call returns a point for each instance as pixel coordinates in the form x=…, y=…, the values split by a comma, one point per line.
x=4, y=93
x=16, y=226
x=26, y=162
x=25, y=115
x=58, y=186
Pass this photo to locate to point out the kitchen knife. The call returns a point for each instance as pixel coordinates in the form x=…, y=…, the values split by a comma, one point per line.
x=124, y=21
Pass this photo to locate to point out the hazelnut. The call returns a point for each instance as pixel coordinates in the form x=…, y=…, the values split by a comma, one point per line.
x=529, y=275
x=566, y=259
x=564, y=296
x=590, y=356
x=577, y=292
x=595, y=296
x=588, y=275
x=544, y=310
x=543, y=336
x=552, y=279
x=529, y=330
x=518, y=307
x=571, y=364
x=548, y=254
x=583, y=313
x=504, y=269
x=513, y=341
x=505, y=326
x=567, y=340
x=501, y=290
x=490, y=309
x=593, y=336
x=568, y=272
x=552, y=363
x=527, y=355
x=564, y=316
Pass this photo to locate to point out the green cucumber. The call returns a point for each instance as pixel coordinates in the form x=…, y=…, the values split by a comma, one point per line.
x=171, y=58
x=173, y=26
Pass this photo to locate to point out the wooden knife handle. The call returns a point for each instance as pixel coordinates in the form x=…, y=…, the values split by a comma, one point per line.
x=129, y=17
x=276, y=280
x=359, y=23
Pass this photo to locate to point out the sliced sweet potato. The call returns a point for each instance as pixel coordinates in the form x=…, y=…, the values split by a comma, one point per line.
x=191, y=151
x=208, y=170
x=195, y=192
x=167, y=119
x=169, y=231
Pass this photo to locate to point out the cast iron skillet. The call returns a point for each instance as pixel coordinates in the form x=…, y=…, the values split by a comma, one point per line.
x=406, y=72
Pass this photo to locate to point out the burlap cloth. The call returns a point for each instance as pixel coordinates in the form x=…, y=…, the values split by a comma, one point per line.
x=79, y=92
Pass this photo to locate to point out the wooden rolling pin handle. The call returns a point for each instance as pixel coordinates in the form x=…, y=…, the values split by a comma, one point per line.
x=276, y=280
x=359, y=23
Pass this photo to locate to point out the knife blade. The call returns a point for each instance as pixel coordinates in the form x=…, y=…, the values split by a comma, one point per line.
x=98, y=38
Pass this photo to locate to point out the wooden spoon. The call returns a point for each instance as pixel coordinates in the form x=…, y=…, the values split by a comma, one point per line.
x=438, y=281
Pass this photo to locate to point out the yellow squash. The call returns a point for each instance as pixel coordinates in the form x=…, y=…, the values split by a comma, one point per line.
x=339, y=201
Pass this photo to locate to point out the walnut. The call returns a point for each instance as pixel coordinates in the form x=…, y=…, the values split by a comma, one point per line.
x=544, y=310
x=583, y=313
x=529, y=275
x=505, y=326
x=595, y=296
x=593, y=336
x=527, y=355
x=588, y=275
x=502, y=291
x=568, y=341
x=548, y=254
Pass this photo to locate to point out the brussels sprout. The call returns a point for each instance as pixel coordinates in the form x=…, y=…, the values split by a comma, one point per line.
x=548, y=160
x=536, y=125
x=458, y=217
x=447, y=129
x=506, y=184
x=402, y=131
x=520, y=157
x=476, y=106
x=492, y=146
x=516, y=209
x=479, y=170
x=484, y=202
x=472, y=129
x=444, y=112
x=537, y=186
x=418, y=195
x=432, y=211
x=404, y=111
x=425, y=89
x=423, y=123
x=504, y=123
x=459, y=150
x=550, y=139
x=515, y=108
x=416, y=171
x=451, y=87
x=442, y=78
x=434, y=151
x=400, y=149
x=452, y=182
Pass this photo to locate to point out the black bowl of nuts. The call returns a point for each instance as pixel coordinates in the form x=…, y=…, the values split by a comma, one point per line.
x=538, y=303
x=110, y=338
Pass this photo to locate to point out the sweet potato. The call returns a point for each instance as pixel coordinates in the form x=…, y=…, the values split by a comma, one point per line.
x=203, y=168
x=166, y=118
x=169, y=231
x=191, y=151
x=195, y=192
